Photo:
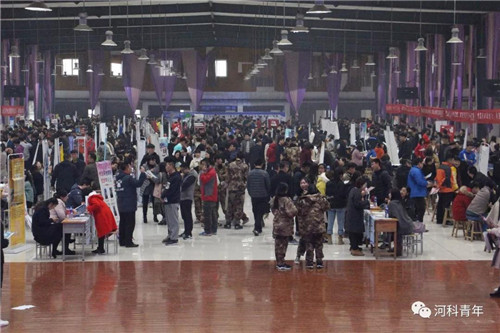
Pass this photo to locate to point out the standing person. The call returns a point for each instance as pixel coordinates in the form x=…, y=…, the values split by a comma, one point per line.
x=446, y=182
x=78, y=163
x=5, y=243
x=256, y=152
x=336, y=193
x=90, y=172
x=355, y=225
x=237, y=173
x=246, y=146
x=283, y=176
x=171, y=196
x=381, y=180
x=208, y=180
x=311, y=208
x=189, y=178
x=405, y=147
x=126, y=193
x=259, y=189
x=64, y=176
x=221, y=170
x=147, y=187
x=150, y=152
x=284, y=211
x=104, y=220
x=418, y=188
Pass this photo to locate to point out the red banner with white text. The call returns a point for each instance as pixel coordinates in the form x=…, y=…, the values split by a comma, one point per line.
x=491, y=116
x=12, y=110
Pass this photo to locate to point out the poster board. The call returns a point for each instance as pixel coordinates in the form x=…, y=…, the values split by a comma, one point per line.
x=353, y=133
x=392, y=147
x=107, y=182
x=16, y=200
x=46, y=162
x=483, y=155
x=163, y=150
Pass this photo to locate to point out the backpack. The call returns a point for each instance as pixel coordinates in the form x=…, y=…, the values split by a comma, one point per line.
x=447, y=173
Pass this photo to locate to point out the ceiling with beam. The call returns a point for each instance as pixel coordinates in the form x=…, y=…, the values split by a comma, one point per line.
x=364, y=26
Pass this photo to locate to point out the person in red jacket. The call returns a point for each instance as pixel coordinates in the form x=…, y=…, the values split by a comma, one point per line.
x=104, y=220
x=271, y=156
x=461, y=202
x=209, y=197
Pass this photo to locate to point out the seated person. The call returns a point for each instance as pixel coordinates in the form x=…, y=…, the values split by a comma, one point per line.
x=58, y=213
x=408, y=203
x=45, y=230
x=405, y=223
x=479, y=205
x=461, y=202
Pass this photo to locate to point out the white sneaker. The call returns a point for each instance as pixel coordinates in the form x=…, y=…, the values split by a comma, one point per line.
x=3, y=323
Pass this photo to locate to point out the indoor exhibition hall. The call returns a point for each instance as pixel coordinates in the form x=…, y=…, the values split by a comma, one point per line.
x=249, y=166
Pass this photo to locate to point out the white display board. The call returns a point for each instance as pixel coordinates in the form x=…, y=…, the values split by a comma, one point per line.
x=107, y=183
x=353, y=134
x=322, y=153
x=392, y=147
x=482, y=157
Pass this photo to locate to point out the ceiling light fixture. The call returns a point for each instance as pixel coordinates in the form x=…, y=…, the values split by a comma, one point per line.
x=284, y=33
x=276, y=50
x=14, y=50
x=152, y=59
x=267, y=55
x=481, y=54
x=38, y=6
x=420, y=47
x=370, y=61
x=454, y=31
x=392, y=50
x=126, y=43
x=89, y=69
x=299, y=24
x=82, y=23
x=319, y=8
x=144, y=55
x=355, y=64
x=344, y=67
x=109, y=34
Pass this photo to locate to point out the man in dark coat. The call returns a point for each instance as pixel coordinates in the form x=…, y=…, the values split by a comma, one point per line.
x=126, y=193
x=78, y=163
x=256, y=152
x=381, y=181
x=64, y=176
x=283, y=176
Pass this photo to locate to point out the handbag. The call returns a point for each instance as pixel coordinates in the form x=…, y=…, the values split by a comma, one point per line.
x=157, y=191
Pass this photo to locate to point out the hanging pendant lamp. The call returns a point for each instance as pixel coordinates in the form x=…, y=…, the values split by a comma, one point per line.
x=82, y=25
x=276, y=50
x=126, y=49
x=284, y=39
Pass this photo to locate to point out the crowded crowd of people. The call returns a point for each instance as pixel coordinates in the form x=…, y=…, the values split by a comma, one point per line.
x=283, y=169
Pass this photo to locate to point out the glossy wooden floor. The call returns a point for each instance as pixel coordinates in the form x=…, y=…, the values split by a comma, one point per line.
x=246, y=296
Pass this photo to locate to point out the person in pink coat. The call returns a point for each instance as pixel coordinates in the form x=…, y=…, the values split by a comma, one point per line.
x=104, y=219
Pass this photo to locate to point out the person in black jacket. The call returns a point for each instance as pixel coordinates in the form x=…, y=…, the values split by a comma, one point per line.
x=171, y=196
x=45, y=231
x=64, y=176
x=256, y=152
x=150, y=152
x=78, y=163
x=355, y=225
x=126, y=194
x=283, y=176
x=37, y=181
x=259, y=187
x=76, y=196
x=402, y=173
x=381, y=181
x=405, y=147
x=336, y=193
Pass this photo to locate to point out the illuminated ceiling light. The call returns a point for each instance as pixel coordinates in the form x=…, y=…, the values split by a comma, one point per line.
x=344, y=68
x=89, y=69
x=276, y=50
x=481, y=54
x=392, y=53
x=454, y=37
x=299, y=26
x=144, y=55
x=284, y=39
x=14, y=52
x=152, y=60
x=310, y=77
x=82, y=24
x=109, y=39
x=126, y=49
x=333, y=70
x=319, y=8
x=38, y=6
x=267, y=55
x=370, y=61
x=355, y=64
x=420, y=47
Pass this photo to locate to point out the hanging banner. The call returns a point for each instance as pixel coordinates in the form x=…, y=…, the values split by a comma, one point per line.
x=12, y=110
x=107, y=182
x=16, y=200
x=353, y=134
x=467, y=116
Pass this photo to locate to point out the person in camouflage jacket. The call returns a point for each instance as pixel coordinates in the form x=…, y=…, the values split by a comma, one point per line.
x=284, y=211
x=221, y=170
x=311, y=207
x=237, y=173
x=293, y=155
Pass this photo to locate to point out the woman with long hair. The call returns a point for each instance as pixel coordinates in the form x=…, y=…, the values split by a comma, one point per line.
x=355, y=225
